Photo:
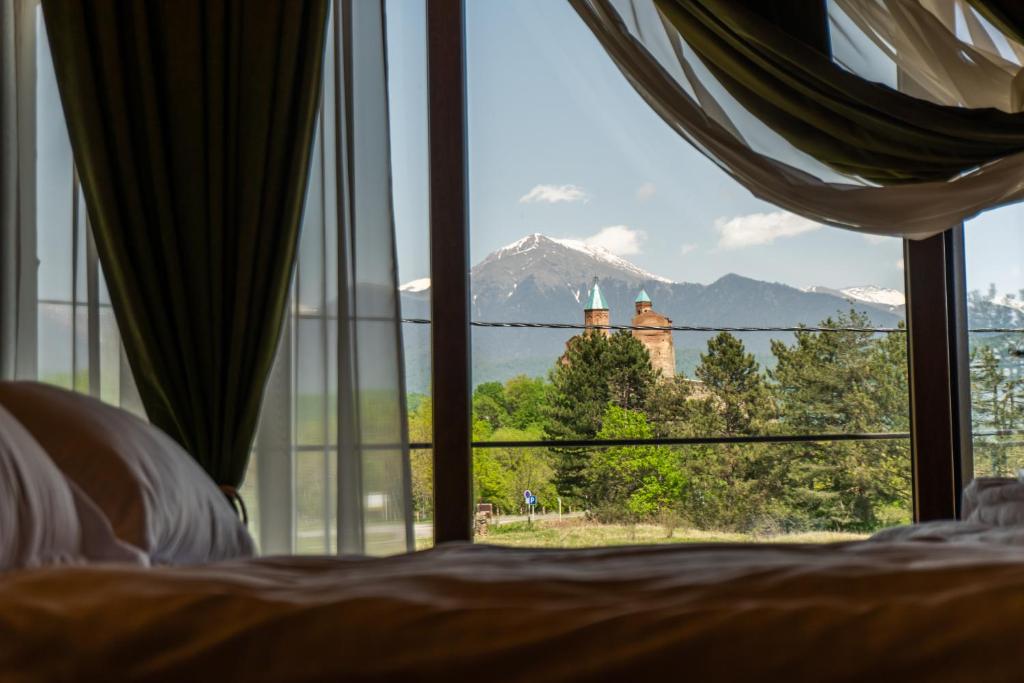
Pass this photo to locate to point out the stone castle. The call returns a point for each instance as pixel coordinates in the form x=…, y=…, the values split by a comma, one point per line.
x=659, y=343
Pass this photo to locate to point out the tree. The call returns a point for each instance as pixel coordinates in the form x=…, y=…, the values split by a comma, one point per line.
x=596, y=370
x=527, y=400
x=733, y=379
x=422, y=459
x=845, y=380
x=642, y=481
x=630, y=375
x=580, y=392
x=997, y=405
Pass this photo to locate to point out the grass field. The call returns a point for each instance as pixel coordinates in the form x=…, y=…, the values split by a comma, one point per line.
x=579, y=533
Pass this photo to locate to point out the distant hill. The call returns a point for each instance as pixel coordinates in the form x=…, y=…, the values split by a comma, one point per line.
x=541, y=279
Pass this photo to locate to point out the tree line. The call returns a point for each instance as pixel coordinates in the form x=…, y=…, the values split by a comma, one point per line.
x=833, y=381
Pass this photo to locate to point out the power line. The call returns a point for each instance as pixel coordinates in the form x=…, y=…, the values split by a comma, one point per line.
x=671, y=328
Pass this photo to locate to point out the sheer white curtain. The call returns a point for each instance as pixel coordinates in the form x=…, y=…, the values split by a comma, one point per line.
x=17, y=133
x=334, y=420
x=56, y=324
x=310, y=491
x=903, y=35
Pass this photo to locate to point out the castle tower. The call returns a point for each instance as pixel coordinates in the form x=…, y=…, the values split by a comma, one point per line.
x=643, y=302
x=596, y=311
x=659, y=343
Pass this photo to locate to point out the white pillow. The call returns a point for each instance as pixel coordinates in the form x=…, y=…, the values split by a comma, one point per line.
x=44, y=519
x=994, y=501
x=155, y=495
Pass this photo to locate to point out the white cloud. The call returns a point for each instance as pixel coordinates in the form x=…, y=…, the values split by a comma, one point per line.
x=899, y=264
x=760, y=228
x=687, y=249
x=552, y=194
x=620, y=240
x=646, y=192
x=875, y=239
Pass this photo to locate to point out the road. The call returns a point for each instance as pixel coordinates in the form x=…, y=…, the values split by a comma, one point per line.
x=426, y=529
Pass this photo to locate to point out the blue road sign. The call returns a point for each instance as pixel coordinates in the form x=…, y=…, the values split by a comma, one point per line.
x=527, y=495
x=532, y=500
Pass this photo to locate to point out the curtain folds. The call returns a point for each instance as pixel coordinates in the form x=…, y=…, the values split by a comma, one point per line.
x=17, y=192
x=942, y=67
x=855, y=126
x=8, y=191
x=191, y=125
x=374, y=478
x=805, y=133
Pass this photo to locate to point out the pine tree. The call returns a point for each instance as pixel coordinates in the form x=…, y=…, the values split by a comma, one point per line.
x=595, y=371
x=580, y=393
x=630, y=375
x=845, y=381
x=733, y=377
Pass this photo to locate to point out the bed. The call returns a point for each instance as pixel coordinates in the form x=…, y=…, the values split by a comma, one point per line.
x=896, y=609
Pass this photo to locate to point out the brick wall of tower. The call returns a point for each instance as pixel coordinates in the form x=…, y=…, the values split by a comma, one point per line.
x=597, y=317
x=659, y=343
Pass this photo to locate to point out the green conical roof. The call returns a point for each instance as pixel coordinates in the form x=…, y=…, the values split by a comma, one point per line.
x=596, y=301
x=642, y=297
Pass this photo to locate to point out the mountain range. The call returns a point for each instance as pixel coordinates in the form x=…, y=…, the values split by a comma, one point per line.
x=540, y=279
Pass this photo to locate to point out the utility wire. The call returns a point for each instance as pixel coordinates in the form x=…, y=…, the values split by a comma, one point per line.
x=672, y=328
x=705, y=328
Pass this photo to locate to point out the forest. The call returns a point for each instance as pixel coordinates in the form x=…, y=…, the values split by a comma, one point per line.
x=836, y=379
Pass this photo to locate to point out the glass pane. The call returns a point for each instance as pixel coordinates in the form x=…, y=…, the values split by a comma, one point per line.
x=110, y=357
x=407, y=91
x=54, y=188
x=311, y=509
x=56, y=346
x=81, y=350
x=422, y=460
x=310, y=402
x=62, y=248
x=995, y=318
x=310, y=272
x=587, y=210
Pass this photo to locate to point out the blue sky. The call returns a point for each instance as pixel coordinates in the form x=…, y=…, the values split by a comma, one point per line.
x=559, y=143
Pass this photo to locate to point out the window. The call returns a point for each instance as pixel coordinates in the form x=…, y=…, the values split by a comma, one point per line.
x=293, y=478
x=77, y=341
x=765, y=429
x=995, y=303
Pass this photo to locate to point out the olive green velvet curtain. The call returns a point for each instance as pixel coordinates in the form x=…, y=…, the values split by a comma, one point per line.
x=191, y=123
x=853, y=125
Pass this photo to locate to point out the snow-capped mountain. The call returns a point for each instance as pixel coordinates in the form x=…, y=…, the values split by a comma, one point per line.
x=543, y=279
x=558, y=262
x=420, y=285
x=882, y=298
x=876, y=295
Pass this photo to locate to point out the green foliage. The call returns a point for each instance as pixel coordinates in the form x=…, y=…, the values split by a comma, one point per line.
x=527, y=400
x=421, y=459
x=830, y=382
x=604, y=388
x=737, y=389
x=630, y=375
x=639, y=480
x=595, y=371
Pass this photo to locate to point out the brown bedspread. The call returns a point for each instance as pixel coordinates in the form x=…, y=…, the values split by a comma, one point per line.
x=854, y=612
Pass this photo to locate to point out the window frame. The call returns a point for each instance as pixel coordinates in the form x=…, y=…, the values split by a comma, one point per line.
x=939, y=397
